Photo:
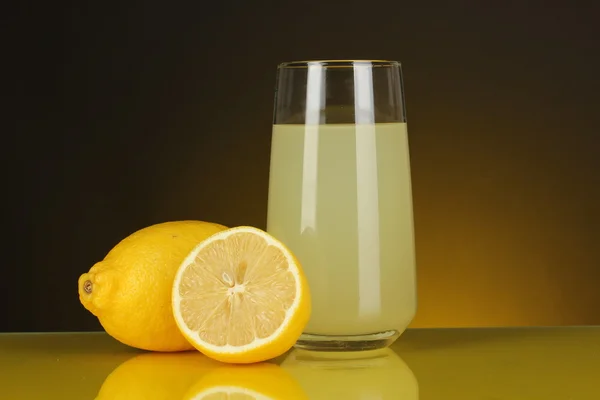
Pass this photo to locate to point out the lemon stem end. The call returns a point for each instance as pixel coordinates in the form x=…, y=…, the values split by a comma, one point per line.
x=88, y=286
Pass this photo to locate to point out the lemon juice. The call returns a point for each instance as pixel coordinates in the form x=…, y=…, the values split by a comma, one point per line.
x=340, y=199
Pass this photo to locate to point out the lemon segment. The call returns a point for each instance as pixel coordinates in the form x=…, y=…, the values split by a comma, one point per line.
x=241, y=296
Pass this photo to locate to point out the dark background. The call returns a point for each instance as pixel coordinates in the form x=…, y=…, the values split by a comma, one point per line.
x=127, y=114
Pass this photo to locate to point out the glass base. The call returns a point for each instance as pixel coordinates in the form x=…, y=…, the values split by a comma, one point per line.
x=371, y=341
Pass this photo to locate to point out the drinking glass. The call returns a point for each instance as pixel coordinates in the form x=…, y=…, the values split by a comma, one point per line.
x=340, y=198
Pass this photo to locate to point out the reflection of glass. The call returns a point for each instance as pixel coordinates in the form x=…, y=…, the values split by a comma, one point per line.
x=340, y=198
x=155, y=376
x=378, y=374
x=256, y=381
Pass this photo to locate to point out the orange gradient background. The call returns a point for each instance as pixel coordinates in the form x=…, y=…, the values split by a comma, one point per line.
x=142, y=113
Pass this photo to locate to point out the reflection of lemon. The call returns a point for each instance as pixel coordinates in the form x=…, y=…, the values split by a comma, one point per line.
x=379, y=374
x=130, y=290
x=261, y=381
x=155, y=376
x=241, y=296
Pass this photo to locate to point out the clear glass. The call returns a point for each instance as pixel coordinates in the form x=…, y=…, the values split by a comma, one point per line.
x=340, y=198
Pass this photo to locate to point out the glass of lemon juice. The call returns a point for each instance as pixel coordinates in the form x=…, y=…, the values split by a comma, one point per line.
x=340, y=198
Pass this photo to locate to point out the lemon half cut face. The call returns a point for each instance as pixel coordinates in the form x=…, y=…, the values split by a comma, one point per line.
x=241, y=296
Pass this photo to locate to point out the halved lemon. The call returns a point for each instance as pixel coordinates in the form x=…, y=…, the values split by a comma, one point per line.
x=241, y=296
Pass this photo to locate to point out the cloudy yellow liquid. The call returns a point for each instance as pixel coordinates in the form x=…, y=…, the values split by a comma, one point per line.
x=340, y=199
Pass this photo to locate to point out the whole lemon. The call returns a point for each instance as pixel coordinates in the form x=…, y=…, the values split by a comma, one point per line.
x=130, y=290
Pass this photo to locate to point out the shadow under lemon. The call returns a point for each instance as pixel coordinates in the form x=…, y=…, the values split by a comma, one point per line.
x=155, y=376
x=378, y=374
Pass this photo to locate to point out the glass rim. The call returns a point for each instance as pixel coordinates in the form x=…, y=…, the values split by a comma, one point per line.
x=338, y=63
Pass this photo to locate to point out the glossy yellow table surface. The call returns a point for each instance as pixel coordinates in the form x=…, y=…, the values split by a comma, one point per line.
x=486, y=364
